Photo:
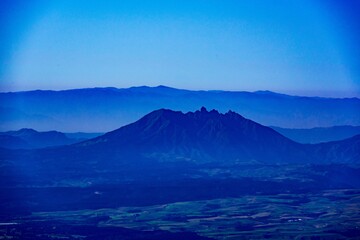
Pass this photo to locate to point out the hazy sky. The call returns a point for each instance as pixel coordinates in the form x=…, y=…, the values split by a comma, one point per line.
x=308, y=47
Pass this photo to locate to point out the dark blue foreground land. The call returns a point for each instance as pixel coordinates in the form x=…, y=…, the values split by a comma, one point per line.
x=172, y=175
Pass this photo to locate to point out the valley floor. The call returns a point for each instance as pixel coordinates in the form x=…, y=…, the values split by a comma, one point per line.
x=330, y=214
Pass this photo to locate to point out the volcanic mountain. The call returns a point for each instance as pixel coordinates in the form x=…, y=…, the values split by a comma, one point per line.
x=194, y=137
x=167, y=144
x=200, y=136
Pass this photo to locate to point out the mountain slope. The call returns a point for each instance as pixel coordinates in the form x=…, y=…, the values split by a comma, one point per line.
x=318, y=135
x=11, y=142
x=29, y=138
x=348, y=150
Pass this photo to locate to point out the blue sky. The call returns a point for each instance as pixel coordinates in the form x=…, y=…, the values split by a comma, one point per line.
x=307, y=47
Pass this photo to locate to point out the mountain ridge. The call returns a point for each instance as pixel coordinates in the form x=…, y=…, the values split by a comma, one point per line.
x=221, y=136
x=164, y=87
x=319, y=134
x=104, y=109
x=27, y=138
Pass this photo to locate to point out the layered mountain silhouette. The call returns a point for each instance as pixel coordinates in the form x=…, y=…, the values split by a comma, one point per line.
x=11, y=142
x=105, y=109
x=29, y=138
x=209, y=136
x=166, y=144
x=319, y=135
x=199, y=137
x=345, y=151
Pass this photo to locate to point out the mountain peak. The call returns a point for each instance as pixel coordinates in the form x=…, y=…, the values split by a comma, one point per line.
x=164, y=87
x=202, y=115
x=203, y=109
x=27, y=130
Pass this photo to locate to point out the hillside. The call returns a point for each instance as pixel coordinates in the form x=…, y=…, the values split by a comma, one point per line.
x=319, y=135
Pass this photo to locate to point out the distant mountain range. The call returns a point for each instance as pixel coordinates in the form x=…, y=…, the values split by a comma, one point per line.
x=318, y=135
x=104, y=109
x=29, y=138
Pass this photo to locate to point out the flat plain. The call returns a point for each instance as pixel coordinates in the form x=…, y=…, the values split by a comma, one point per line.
x=331, y=214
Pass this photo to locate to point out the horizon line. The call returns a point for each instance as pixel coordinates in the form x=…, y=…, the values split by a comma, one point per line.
x=260, y=91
